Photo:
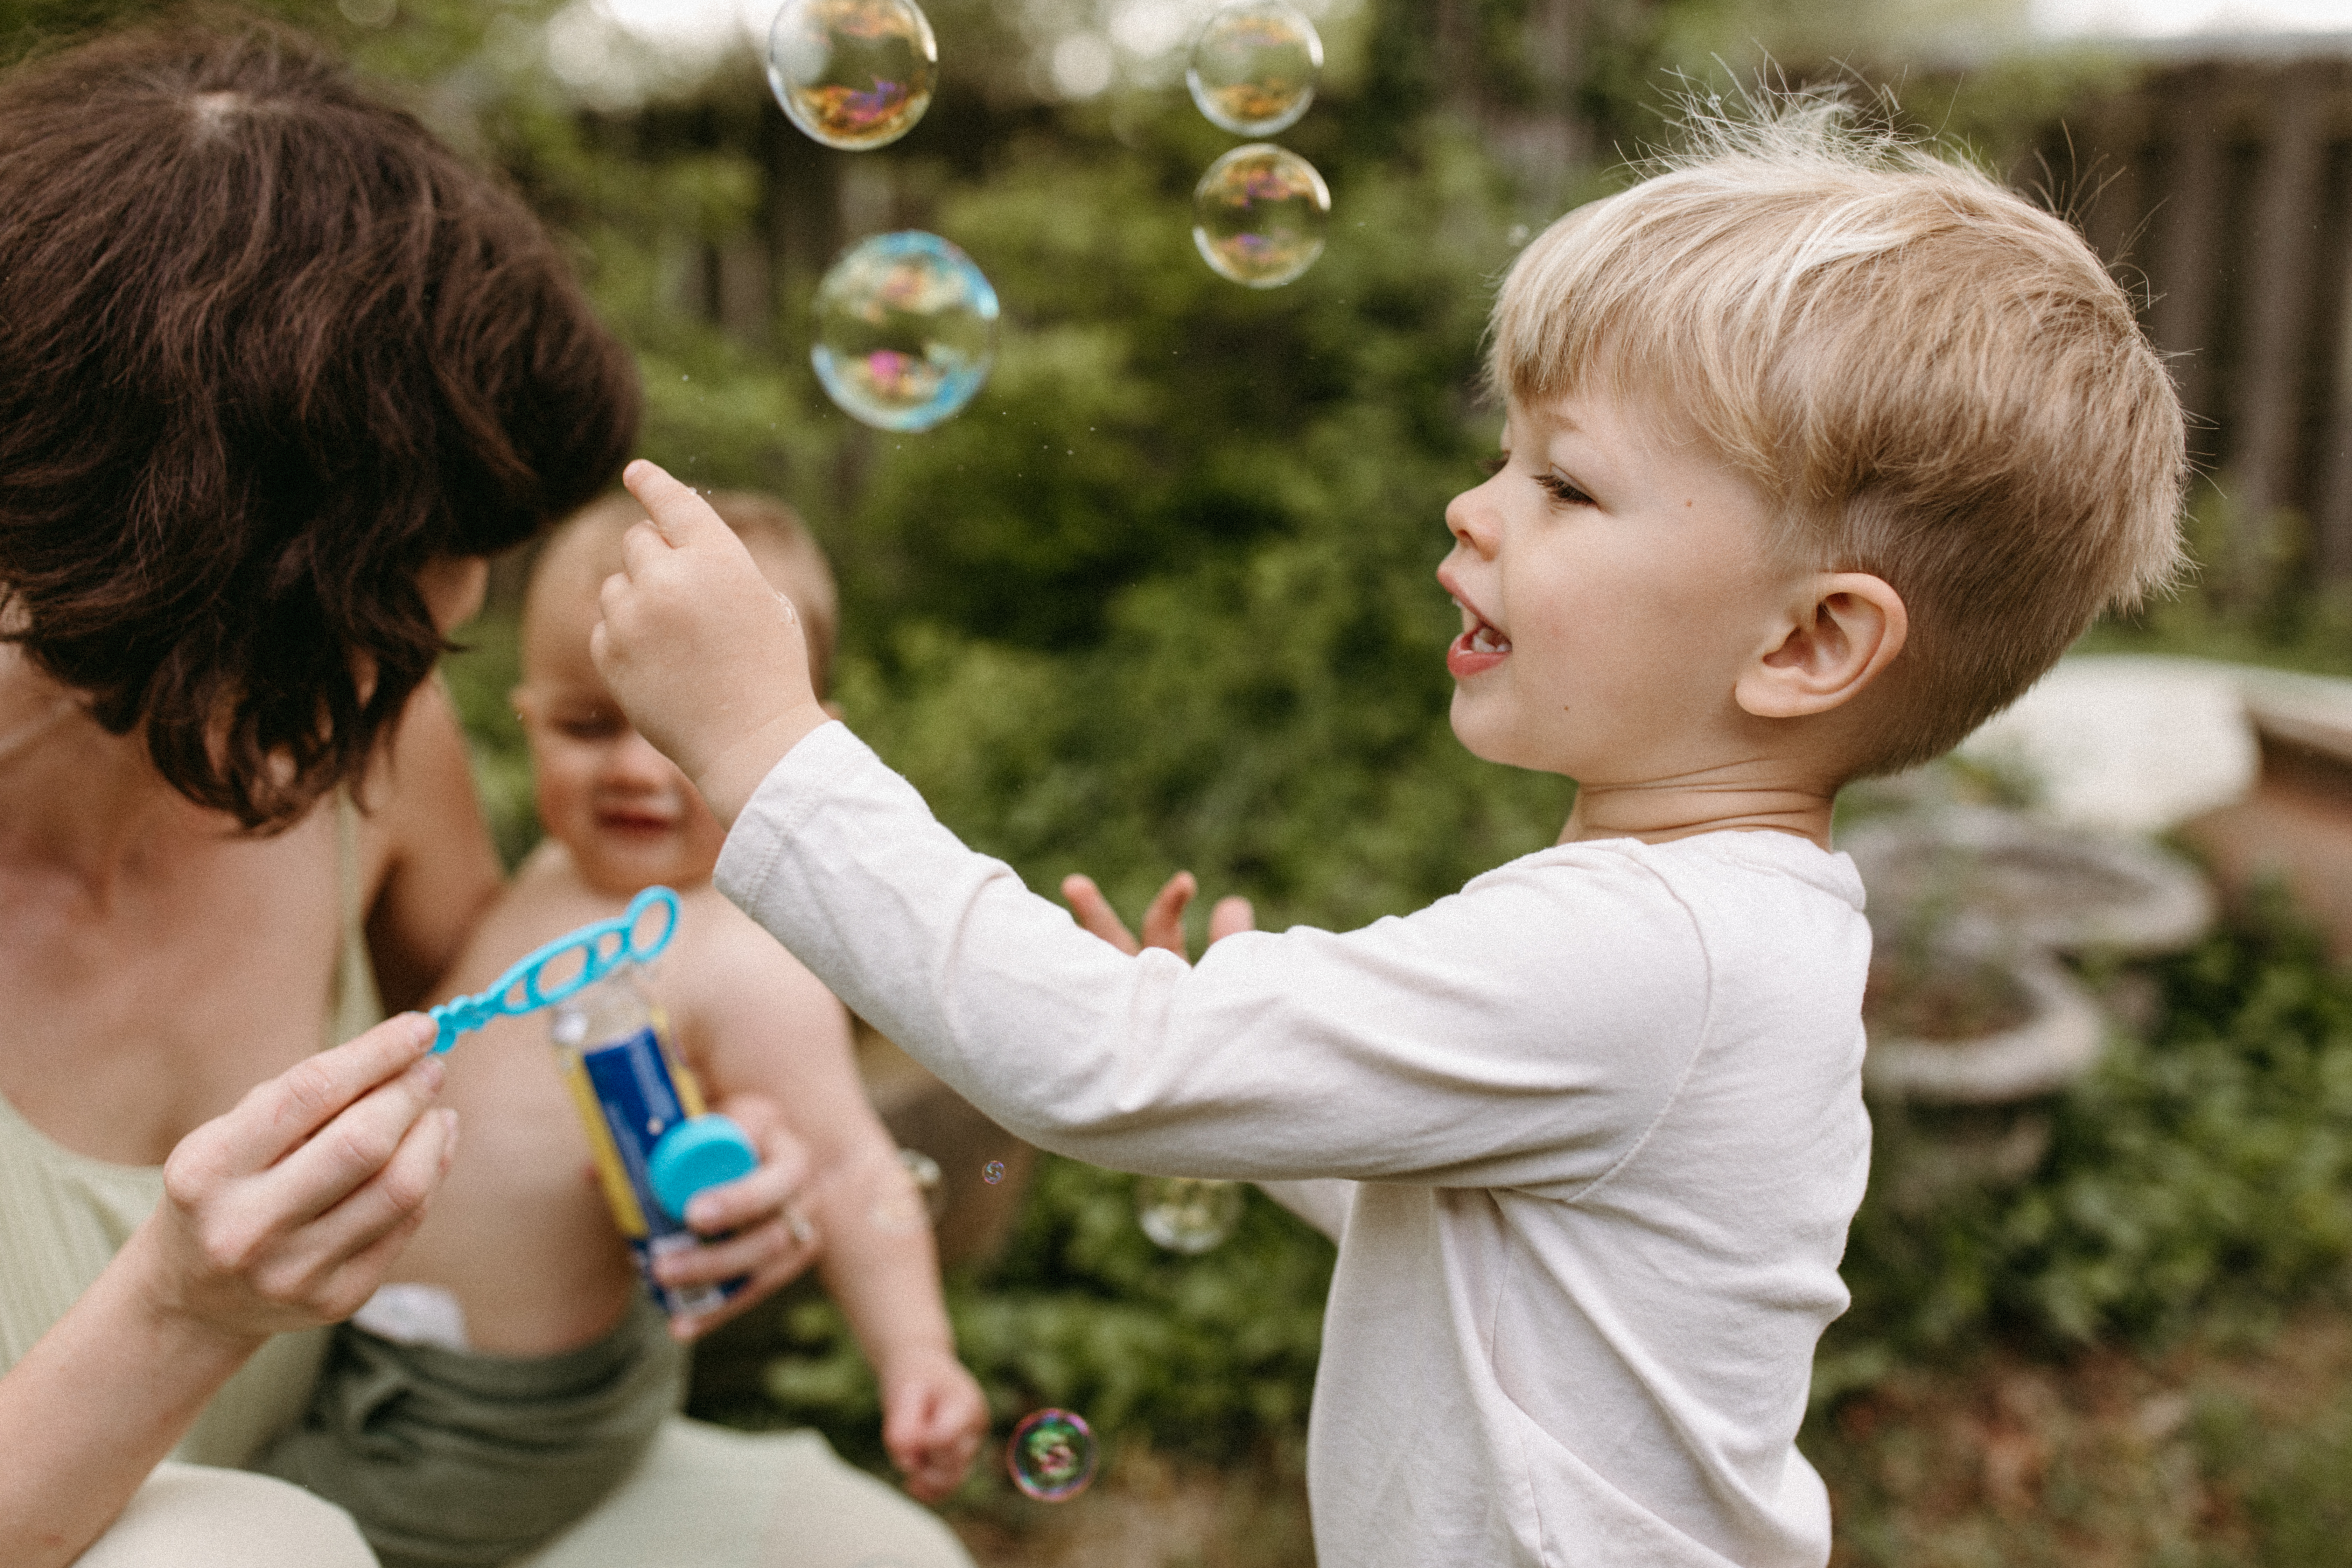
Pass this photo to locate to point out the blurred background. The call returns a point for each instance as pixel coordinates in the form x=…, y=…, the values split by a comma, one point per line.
x=1161, y=597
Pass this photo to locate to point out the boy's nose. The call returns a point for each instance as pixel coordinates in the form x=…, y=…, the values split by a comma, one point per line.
x=1469, y=523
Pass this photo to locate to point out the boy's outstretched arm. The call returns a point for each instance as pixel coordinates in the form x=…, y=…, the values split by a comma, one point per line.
x=705, y=656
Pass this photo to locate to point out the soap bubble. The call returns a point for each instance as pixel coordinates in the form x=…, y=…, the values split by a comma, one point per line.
x=1258, y=215
x=852, y=73
x=1051, y=1455
x=906, y=328
x=992, y=1173
x=1254, y=67
x=1186, y=1214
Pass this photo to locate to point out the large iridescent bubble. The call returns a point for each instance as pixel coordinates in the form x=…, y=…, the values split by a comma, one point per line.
x=906, y=330
x=1051, y=1455
x=1254, y=67
x=1258, y=214
x=852, y=73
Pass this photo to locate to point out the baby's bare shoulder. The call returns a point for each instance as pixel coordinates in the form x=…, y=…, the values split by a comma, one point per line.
x=546, y=899
x=721, y=951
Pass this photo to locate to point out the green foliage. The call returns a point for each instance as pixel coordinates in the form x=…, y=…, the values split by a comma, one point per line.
x=1212, y=1356
x=2199, y=1178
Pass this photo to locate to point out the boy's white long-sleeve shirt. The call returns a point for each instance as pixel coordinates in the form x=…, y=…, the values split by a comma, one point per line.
x=1603, y=1109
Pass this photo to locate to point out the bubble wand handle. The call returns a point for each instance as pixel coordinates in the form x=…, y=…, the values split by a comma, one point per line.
x=602, y=945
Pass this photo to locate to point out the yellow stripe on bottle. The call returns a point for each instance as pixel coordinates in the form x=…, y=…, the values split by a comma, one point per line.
x=681, y=1077
x=626, y=1214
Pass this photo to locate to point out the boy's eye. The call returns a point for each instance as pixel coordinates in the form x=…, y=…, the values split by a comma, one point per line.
x=1492, y=466
x=1562, y=491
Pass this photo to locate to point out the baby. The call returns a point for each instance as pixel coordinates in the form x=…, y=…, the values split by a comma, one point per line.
x=516, y=1368
x=1818, y=449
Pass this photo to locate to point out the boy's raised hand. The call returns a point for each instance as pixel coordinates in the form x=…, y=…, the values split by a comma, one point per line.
x=1163, y=922
x=707, y=660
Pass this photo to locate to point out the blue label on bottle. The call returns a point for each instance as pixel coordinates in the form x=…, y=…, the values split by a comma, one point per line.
x=631, y=1080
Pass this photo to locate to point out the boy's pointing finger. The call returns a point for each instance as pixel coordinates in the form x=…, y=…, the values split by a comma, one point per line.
x=678, y=512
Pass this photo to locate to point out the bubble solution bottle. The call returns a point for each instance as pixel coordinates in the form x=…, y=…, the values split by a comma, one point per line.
x=655, y=1145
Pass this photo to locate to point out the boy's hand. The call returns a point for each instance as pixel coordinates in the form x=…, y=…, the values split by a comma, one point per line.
x=1163, y=922
x=933, y=1417
x=707, y=660
x=764, y=1233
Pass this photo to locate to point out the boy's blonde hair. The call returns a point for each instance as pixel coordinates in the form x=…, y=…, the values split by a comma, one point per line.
x=773, y=531
x=1931, y=379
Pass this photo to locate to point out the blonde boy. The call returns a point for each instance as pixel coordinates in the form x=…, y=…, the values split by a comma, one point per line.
x=1818, y=450
x=534, y=1371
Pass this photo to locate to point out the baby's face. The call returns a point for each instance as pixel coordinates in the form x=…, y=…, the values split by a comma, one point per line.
x=1614, y=578
x=624, y=811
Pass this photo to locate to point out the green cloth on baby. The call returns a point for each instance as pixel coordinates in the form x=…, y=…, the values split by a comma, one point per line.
x=454, y=1459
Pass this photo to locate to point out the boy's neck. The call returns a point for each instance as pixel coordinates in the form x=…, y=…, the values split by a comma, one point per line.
x=1663, y=812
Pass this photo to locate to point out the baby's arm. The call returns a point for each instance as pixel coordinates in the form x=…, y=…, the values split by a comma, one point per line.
x=762, y=1024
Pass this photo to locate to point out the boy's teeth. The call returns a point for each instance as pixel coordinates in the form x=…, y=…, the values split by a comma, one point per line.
x=1487, y=639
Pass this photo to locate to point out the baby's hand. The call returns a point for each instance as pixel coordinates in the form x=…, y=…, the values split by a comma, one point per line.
x=759, y=1232
x=705, y=658
x=933, y=1417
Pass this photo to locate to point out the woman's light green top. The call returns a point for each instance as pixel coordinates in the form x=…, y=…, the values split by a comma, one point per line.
x=63, y=1217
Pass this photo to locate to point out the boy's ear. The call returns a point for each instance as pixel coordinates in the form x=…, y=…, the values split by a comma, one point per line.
x=1849, y=629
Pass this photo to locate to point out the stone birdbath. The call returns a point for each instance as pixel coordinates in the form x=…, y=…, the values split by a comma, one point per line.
x=1971, y=1014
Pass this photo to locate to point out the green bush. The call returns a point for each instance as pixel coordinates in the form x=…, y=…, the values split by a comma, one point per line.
x=2199, y=1178
x=1212, y=1357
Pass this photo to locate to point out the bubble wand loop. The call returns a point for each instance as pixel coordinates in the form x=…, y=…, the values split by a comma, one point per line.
x=603, y=946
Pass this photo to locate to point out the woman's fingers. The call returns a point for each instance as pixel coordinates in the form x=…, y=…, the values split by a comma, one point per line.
x=303, y=1241
x=774, y=1250
x=280, y=1115
x=352, y=1151
x=1095, y=914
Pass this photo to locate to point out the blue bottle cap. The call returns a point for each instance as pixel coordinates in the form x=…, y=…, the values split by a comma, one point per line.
x=701, y=1152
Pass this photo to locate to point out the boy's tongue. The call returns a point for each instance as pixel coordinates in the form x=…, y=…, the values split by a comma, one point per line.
x=1482, y=647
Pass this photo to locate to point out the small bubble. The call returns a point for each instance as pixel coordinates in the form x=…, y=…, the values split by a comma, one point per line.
x=992, y=1173
x=1517, y=235
x=1254, y=67
x=906, y=330
x=1051, y=1455
x=852, y=73
x=1258, y=215
x=1187, y=1213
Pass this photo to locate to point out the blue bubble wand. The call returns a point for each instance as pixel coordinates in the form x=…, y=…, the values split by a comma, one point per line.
x=602, y=945
x=701, y=1152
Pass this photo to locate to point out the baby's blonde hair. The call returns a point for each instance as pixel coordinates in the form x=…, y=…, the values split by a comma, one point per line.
x=1931, y=379
x=787, y=553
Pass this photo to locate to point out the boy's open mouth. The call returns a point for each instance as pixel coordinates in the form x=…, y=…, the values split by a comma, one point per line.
x=1481, y=647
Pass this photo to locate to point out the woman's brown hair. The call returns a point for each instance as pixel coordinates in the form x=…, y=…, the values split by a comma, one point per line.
x=267, y=348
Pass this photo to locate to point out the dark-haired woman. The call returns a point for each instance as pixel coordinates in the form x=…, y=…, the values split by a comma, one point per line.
x=278, y=374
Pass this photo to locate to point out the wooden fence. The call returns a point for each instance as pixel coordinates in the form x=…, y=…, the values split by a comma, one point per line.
x=2222, y=189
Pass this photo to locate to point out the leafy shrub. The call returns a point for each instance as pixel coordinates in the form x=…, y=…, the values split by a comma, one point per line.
x=1211, y=1356
x=2200, y=1176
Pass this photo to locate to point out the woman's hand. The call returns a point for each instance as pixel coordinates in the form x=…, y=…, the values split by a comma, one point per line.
x=286, y=1212
x=773, y=1238
x=1163, y=922
x=933, y=1417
